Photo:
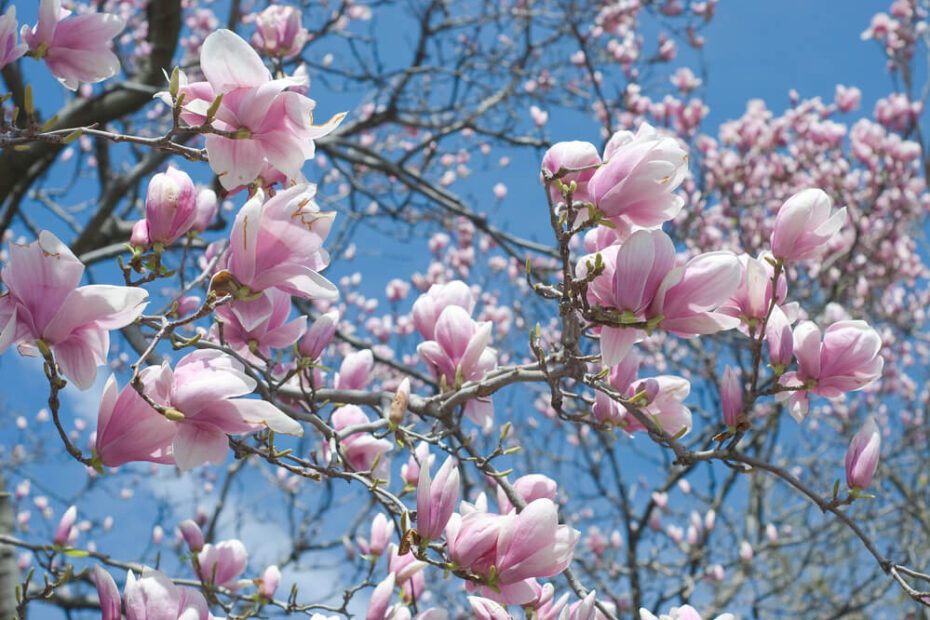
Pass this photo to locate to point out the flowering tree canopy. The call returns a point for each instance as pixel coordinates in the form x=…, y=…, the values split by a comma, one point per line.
x=424, y=360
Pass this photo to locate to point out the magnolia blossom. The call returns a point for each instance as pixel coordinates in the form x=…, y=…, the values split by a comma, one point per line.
x=530, y=487
x=319, y=335
x=436, y=499
x=362, y=450
x=269, y=332
x=200, y=396
x=804, y=225
x=659, y=398
x=271, y=126
x=381, y=599
x=845, y=360
x=862, y=455
x=685, y=612
x=382, y=529
x=579, y=160
x=751, y=300
x=278, y=244
x=585, y=609
x=279, y=31
x=639, y=175
x=486, y=609
x=731, y=397
x=10, y=51
x=156, y=596
x=520, y=546
x=428, y=307
x=641, y=282
x=206, y=209
x=222, y=563
x=355, y=370
x=170, y=209
x=460, y=353
x=407, y=571
x=75, y=48
x=45, y=307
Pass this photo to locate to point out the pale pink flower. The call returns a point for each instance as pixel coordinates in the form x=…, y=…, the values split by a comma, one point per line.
x=192, y=535
x=530, y=487
x=75, y=48
x=461, y=353
x=486, y=609
x=270, y=581
x=428, y=307
x=273, y=126
x=355, y=370
x=278, y=243
x=847, y=359
x=804, y=225
x=65, y=527
x=847, y=98
x=362, y=450
x=206, y=209
x=44, y=303
x=382, y=530
x=170, y=209
x=156, y=596
x=579, y=157
x=436, y=499
x=202, y=393
x=862, y=456
x=752, y=298
x=638, y=177
x=10, y=51
x=731, y=397
x=266, y=332
x=108, y=594
x=222, y=563
x=279, y=31
x=319, y=335
x=380, y=599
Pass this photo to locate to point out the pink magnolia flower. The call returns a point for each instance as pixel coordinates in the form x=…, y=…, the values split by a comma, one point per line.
x=460, y=353
x=660, y=398
x=65, y=528
x=436, y=499
x=407, y=571
x=107, y=592
x=222, y=563
x=472, y=540
x=530, y=487
x=585, y=609
x=155, y=596
x=192, y=535
x=206, y=209
x=10, y=51
x=272, y=126
x=410, y=471
x=780, y=339
x=731, y=397
x=641, y=282
x=428, y=307
x=486, y=609
x=201, y=394
x=575, y=155
x=847, y=359
x=362, y=449
x=76, y=49
x=319, y=335
x=639, y=174
x=44, y=306
x=279, y=31
x=278, y=244
x=804, y=225
x=170, y=209
x=752, y=298
x=862, y=456
x=847, y=97
x=268, y=332
x=532, y=544
x=355, y=370
x=380, y=599
x=382, y=530
x=270, y=581
x=685, y=612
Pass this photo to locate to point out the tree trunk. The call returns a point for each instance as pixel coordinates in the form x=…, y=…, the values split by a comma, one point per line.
x=9, y=574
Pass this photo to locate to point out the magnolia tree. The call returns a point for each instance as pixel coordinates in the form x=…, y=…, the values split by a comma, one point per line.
x=626, y=395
